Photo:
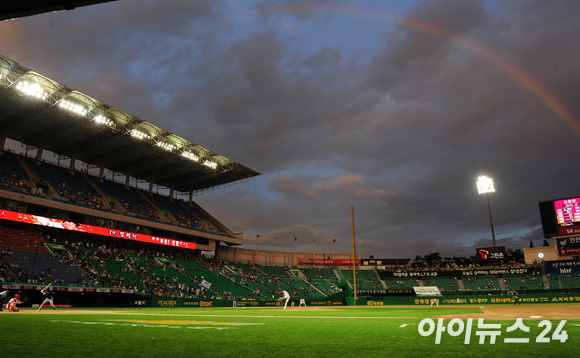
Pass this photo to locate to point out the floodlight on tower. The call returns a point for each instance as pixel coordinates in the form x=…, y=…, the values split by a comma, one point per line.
x=485, y=186
x=139, y=135
x=209, y=164
x=75, y=108
x=106, y=121
x=31, y=89
x=166, y=146
x=191, y=156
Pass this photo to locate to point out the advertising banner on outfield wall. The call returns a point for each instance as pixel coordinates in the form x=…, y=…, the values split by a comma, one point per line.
x=427, y=291
x=460, y=273
x=329, y=262
x=387, y=292
x=472, y=300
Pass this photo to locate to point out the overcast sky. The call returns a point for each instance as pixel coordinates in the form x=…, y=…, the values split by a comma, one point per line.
x=392, y=107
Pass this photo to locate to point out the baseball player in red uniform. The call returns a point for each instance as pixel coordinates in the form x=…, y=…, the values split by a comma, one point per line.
x=11, y=305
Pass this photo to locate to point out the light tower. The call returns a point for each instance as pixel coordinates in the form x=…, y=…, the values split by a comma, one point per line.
x=485, y=186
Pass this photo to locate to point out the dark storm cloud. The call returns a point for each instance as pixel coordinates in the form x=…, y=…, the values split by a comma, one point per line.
x=448, y=94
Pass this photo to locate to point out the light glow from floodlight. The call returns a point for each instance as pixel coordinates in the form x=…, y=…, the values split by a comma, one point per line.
x=485, y=185
x=139, y=135
x=166, y=146
x=190, y=155
x=209, y=164
x=75, y=108
x=31, y=89
x=104, y=120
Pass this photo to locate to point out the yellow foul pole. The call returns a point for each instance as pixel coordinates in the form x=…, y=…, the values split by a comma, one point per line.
x=353, y=252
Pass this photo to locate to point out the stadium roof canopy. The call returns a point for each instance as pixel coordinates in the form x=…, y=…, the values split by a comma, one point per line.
x=14, y=9
x=43, y=113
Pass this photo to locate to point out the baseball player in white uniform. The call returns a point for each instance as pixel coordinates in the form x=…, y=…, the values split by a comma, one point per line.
x=302, y=302
x=286, y=297
x=48, y=298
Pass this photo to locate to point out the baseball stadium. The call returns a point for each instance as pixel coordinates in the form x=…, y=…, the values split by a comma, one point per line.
x=104, y=251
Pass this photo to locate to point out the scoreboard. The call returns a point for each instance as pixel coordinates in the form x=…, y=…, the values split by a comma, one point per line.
x=560, y=217
x=567, y=211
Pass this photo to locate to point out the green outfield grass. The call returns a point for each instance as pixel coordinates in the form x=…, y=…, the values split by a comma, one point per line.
x=263, y=332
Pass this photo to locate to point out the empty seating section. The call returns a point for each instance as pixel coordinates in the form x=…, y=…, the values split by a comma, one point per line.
x=43, y=268
x=10, y=167
x=523, y=282
x=564, y=282
x=73, y=188
x=324, y=286
x=21, y=239
x=215, y=272
x=570, y=282
x=196, y=210
x=401, y=283
x=445, y=284
x=12, y=175
x=279, y=272
x=481, y=283
x=317, y=274
x=177, y=210
x=77, y=189
x=365, y=279
x=129, y=199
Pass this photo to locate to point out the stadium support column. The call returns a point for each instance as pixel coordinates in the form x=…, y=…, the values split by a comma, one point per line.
x=71, y=167
x=150, y=188
x=101, y=174
x=38, y=155
x=353, y=252
x=127, y=180
x=191, y=198
x=171, y=191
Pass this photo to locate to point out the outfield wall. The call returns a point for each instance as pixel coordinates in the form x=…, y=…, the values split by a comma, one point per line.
x=470, y=300
x=162, y=301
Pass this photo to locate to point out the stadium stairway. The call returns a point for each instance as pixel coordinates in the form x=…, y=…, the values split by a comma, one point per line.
x=502, y=284
x=102, y=195
x=546, y=281
x=25, y=167
x=460, y=285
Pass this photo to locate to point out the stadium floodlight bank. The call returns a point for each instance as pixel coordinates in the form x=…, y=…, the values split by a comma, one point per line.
x=44, y=113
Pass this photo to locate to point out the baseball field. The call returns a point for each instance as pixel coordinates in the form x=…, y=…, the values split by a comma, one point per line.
x=544, y=330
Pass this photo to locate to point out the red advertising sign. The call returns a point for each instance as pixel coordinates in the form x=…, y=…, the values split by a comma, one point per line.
x=491, y=254
x=91, y=229
x=327, y=262
x=569, y=230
